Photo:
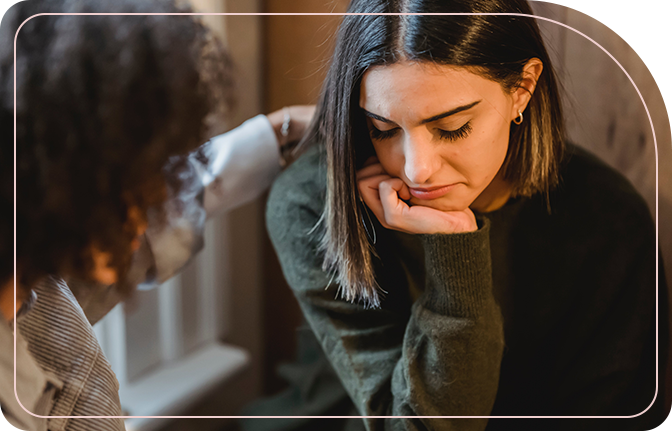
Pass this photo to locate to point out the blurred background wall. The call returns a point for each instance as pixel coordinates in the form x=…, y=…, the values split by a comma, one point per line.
x=297, y=53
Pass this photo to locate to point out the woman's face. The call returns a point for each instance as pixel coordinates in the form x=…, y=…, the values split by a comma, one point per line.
x=443, y=130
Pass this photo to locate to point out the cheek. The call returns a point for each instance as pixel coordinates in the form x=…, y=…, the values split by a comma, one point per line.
x=493, y=148
x=500, y=145
x=391, y=160
x=480, y=159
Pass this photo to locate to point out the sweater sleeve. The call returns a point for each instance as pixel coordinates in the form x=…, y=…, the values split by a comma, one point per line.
x=440, y=359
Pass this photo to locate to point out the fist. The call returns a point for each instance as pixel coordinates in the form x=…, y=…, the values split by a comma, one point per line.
x=386, y=196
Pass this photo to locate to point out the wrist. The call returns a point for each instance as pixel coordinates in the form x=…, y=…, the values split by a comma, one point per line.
x=281, y=121
x=455, y=222
x=277, y=120
x=465, y=226
x=459, y=274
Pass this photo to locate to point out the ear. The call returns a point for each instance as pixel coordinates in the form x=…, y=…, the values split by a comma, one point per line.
x=522, y=95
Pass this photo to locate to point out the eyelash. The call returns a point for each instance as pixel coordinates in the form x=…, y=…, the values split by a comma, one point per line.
x=449, y=135
x=454, y=135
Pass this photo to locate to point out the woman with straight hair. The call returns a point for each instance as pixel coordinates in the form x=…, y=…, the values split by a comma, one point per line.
x=452, y=254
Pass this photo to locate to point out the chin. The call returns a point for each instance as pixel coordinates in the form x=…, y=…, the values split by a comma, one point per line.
x=442, y=204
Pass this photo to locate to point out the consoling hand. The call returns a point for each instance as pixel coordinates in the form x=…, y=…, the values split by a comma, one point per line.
x=386, y=197
x=296, y=117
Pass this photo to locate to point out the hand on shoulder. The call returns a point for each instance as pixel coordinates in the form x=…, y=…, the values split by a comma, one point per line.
x=291, y=122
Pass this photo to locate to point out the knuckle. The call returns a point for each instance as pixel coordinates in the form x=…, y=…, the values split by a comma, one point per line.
x=360, y=187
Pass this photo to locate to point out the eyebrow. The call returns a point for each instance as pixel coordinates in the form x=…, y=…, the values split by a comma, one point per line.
x=427, y=120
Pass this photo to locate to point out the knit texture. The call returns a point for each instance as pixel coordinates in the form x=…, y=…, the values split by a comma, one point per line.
x=536, y=313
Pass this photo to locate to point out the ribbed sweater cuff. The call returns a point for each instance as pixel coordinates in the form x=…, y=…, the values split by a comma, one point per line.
x=458, y=271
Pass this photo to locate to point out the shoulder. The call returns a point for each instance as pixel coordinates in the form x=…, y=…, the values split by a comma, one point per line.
x=71, y=353
x=297, y=197
x=293, y=214
x=599, y=192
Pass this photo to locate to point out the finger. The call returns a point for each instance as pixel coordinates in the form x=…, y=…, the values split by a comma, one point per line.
x=300, y=117
x=302, y=113
x=371, y=161
x=368, y=188
x=369, y=171
x=404, y=192
x=396, y=184
x=370, y=185
x=393, y=207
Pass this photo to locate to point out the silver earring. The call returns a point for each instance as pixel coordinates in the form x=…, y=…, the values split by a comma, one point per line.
x=519, y=119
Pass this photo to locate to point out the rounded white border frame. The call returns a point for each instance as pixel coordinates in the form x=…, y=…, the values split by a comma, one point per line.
x=655, y=143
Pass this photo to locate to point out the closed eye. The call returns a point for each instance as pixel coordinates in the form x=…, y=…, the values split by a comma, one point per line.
x=449, y=135
x=382, y=134
x=454, y=135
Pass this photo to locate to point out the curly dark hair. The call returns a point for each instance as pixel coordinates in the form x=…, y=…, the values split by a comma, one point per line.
x=102, y=102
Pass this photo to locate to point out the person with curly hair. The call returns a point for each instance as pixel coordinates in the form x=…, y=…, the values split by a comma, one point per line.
x=108, y=114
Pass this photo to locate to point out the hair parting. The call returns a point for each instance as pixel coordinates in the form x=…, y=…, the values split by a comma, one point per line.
x=496, y=47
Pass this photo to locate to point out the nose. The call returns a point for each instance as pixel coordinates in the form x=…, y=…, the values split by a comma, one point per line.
x=420, y=158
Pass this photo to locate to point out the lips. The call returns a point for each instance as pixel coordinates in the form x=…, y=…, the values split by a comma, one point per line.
x=429, y=193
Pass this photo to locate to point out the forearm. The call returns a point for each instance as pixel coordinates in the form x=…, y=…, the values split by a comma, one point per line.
x=224, y=173
x=439, y=356
x=449, y=367
x=442, y=360
x=242, y=164
x=228, y=171
x=453, y=343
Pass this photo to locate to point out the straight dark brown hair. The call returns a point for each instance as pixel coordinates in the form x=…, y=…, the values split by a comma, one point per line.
x=495, y=47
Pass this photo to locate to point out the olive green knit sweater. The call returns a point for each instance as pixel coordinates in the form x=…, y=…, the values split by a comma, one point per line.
x=536, y=313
